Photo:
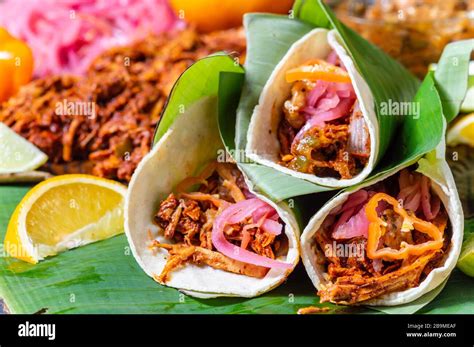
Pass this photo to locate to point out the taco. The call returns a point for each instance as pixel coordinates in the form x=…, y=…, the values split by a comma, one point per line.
x=192, y=222
x=315, y=118
x=388, y=241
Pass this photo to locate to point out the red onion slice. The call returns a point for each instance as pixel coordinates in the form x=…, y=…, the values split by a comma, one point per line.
x=327, y=103
x=356, y=226
x=262, y=211
x=315, y=93
x=272, y=227
x=318, y=118
x=430, y=213
x=235, y=214
x=412, y=202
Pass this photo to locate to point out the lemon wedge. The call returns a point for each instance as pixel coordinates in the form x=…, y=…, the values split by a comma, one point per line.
x=64, y=212
x=462, y=132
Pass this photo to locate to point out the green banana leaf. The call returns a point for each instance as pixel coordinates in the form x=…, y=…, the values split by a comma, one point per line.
x=104, y=278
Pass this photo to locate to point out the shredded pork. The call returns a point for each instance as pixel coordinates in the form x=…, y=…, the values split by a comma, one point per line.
x=355, y=288
x=187, y=220
x=354, y=279
x=127, y=87
x=181, y=254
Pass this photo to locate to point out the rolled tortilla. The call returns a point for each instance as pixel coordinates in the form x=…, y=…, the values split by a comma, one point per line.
x=192, y=142
x=262, y=140
x=443, y=184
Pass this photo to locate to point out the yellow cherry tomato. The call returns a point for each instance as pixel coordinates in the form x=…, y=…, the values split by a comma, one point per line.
x=16, y=64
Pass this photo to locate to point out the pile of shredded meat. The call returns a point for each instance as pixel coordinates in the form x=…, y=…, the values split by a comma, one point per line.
x=187, y=220
x=126, y=87
x=355, y=278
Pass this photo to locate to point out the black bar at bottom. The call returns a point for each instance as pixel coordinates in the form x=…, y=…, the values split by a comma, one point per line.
x=259, y=329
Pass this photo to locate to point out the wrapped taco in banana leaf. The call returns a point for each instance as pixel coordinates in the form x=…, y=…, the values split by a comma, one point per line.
x=389, y=241
x=315, y=119
x=192, y=222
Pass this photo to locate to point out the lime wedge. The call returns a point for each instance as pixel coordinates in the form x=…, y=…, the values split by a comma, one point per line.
x=17, y=154
x=466, y=259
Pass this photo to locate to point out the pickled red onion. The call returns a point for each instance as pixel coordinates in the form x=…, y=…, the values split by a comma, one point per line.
x=412, y=202
x=262, y=211
x=333, y=58
x=329, y=102
x=356, y=226
x=345, y=216
x=415, y=192
x=235, y=214
x=351, y=225
x=377, y=264
x=66, y=36
x=430, y=213
x=315, y=93
x=243, y=209
x=272, y=227
x=356, y=199
x=317, y=117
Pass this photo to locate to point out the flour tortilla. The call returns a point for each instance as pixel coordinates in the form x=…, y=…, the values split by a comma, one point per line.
x=443, y=184
x=262, y=141
x=191, y=143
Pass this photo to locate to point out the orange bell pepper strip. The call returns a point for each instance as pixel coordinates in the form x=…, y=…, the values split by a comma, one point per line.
x=317, y=70
x=377, y=228
x=16, y=64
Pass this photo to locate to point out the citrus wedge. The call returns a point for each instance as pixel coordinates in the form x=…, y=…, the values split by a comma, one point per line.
x=462, y=132
x=17, y=154
x=466, y=259
x=64, y=212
